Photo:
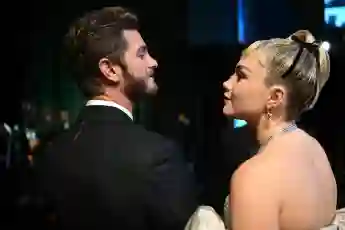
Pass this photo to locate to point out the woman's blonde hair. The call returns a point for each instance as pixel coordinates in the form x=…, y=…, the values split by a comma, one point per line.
x=300, y=64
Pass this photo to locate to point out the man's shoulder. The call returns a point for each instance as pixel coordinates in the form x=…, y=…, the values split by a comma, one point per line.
x=160, y=145
x=135, y=131
x=158, y=148
x=134, y=140
x=151, y=135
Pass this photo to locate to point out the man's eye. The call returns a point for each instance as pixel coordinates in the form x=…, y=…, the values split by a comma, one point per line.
x=141, y=54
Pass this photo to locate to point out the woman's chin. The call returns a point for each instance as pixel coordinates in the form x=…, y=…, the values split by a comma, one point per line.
x=228, y=111
x=232, y=114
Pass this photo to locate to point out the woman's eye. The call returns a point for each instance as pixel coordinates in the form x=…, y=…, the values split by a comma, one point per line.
x=241, y=75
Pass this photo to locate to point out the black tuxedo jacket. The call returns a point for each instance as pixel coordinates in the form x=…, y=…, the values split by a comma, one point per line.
x=108, y=173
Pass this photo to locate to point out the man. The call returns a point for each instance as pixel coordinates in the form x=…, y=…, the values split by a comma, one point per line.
x=106, y=172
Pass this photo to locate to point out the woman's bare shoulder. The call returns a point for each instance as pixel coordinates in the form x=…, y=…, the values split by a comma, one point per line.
x=271, y=160
x=260, y=166
x=274, y=161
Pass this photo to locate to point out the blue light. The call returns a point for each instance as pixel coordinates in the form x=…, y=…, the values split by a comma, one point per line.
x=241, y=21
x=335, y=16
x=239, y=123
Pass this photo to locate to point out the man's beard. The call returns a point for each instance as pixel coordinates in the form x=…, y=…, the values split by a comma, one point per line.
x=135, y=89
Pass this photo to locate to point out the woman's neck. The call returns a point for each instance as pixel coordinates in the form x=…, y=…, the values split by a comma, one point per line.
x=266, y=129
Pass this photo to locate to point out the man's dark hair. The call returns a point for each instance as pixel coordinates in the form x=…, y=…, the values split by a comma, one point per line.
x=96, y=35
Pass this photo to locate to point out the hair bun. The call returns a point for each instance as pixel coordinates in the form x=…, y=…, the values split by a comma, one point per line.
x=304, y=36
x=307, y=39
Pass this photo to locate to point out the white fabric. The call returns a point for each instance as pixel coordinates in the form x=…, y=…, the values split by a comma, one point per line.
x=205, y=218
x=110, y=104
x=338, y=222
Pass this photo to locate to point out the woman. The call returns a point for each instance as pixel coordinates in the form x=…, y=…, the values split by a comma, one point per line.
x=289, y=183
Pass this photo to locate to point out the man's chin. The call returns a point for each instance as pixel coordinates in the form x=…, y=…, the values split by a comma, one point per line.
x=152, y=87
x=152, y=90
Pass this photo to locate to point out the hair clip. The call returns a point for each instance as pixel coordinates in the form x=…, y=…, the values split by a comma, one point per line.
x=311, y=47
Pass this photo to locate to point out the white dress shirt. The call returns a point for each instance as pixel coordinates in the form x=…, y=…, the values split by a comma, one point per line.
x=110, y=104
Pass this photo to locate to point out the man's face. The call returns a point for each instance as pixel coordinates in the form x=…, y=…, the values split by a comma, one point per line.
x=140, y=66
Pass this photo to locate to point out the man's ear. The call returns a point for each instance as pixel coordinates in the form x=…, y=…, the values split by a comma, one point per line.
x=110, y=72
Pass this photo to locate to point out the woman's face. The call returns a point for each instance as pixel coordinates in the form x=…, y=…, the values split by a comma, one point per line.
x=246, y=93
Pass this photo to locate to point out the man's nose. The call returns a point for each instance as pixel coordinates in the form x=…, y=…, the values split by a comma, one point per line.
x=153, y=63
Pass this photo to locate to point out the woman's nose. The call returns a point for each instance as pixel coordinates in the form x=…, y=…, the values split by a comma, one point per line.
x=227, y=85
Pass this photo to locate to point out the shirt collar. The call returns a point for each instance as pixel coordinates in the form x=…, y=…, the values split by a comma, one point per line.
x=110, y=104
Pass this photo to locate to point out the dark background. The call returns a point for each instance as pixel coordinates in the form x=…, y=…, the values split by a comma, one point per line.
x=197, y=46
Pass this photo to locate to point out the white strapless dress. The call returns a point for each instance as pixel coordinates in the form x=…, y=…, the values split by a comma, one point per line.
x=206, y=218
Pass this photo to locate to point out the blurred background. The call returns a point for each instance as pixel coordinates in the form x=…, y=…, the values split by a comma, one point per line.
x=197, y=44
